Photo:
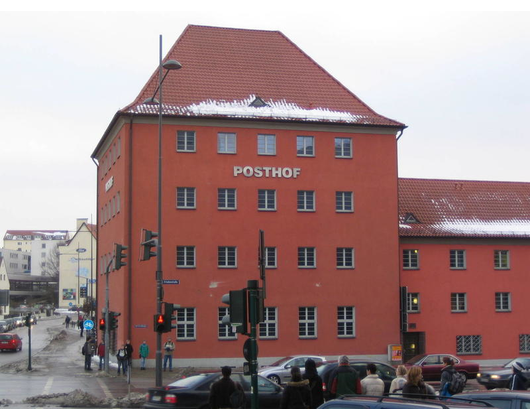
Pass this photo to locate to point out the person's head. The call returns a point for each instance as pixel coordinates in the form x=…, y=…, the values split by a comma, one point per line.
x=448, y=361
x=343, y=360
x=226, y=371
x=517, y=367
x=310, y=366
x=128, y=342
x=371, y=368
x=401, y=370
x=296, y=375
x=415, y=375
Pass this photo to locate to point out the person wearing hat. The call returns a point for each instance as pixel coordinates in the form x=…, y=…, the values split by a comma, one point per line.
x=518, y=381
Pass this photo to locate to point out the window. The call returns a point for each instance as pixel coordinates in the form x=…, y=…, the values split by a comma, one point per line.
x=267, y=200
x=269, y=327
x=305, y=146
x=468, y=344
x=226, y=332
x=410, y=259
x=306, y=201
x=186, y=141
x=271, y=259
x=413, y=302
x=457, y=259
x=186, y=256
x=344, y=201
x=226, y=143
x=458, y=302
x=185, y=198
x=502, y=260
x=345, y=258
x=227, y=257
x=307, y=322
x=186, y=324
x=346, y=322
x=306, y=257
x=503, y=302
x=266, y=144
x=343, y=147
x=226, y=199
x=524, y=343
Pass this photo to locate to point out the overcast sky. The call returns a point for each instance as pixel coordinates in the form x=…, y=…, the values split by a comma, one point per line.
x=459, y=80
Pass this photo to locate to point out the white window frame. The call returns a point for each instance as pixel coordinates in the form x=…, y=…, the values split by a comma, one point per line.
x=267, y=144
x=524, y=343
x=344, y=202
x=307, y=257
x=267, y=200
x=271, y=257
x=306, y=201
x=413, y=303
x=186, y=198
x=227, y=143
x=268, y=329
x=307, y=322
x=303, y=143
x=346, y=322
x=503, y=302
x=458, y=302
x=457, y=259
x=340, y=152
x=224, y=196
x=468, y=344
x=186, y=252
x=345, y=258
x=411, y=259
x=225, y=254
x=186, y=324
x=185, y=144
x=501, y=259
x=224, y=332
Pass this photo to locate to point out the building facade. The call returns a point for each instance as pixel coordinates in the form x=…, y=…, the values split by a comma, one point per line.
x=251, y=144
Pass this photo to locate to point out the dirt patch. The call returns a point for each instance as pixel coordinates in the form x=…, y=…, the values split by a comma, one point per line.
x=81, y=399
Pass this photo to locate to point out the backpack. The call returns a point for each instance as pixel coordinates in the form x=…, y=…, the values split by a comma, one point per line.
x=457, y=384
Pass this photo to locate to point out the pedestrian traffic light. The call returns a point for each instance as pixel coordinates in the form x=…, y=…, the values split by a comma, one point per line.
x=119, y=256
x=102, y=324
x=113, y=320
x=148, y=243
x=237, y=316
x=160, y=323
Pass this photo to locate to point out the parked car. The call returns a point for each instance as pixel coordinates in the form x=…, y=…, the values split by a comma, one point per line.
x=501, y=378
x=194, y=392
x=432, y=364
x=498, y=398
x=364, y=401
x=386, y=372
x=10, y=342
x=4, y=326
x=280, y=371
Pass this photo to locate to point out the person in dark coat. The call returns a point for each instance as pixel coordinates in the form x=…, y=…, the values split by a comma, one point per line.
x=315, y=383
x=518, y=380
x=297, y=393
x=415, y=387
x=447, y=375
x=223, y=389
x=344, y=380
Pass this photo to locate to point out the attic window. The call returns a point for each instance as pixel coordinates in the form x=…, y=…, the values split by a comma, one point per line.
x=258, y=103
x=410, y=218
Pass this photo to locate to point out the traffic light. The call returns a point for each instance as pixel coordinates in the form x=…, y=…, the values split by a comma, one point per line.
x=119, y=256
x=237, y=317
x=148, y=243
x=160, y=323
x=82, y=291
x=113, y=320
x=102, y=324
x=27, y=320
x=170, y=316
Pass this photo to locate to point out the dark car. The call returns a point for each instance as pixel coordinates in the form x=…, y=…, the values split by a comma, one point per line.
x=386, y=372
x=194, y=392
x=10, y=342
x=501, y=378
x=360, y=402
x=432, y=365
x=498, y=399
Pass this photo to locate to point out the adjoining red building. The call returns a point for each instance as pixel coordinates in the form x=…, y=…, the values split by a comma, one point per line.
x=465, y=248
x=256, y=136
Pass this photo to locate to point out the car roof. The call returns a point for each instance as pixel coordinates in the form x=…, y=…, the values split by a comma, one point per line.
x=393, y=402
x=502, y=393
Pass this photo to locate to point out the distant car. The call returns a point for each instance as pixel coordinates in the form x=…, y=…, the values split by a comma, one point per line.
x=194, y=392
x=10, y=342
x=498, y=399
x=386, y=372
x=4, y=326
x=280, y=371
x=432, y=364
x=501, y=378
x=363, y=401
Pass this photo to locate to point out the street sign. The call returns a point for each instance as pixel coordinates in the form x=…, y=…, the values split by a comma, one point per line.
x=170, y=281
x=88, y=324
x=80, y=250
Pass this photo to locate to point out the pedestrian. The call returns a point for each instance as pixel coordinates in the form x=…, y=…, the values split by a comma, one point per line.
x=121, y=356
x=101, y=354
x=67, y=321
x=518, y=382
x=130, y=350
x=88, y=351
x=448, y=371
x=81, y=327
x=144, y=352
x=315, y=383
x=344, y=380
x=372, y=384
x=225, y=393
x=296, y=394
x=396, y=387
x=169, y=348
x=415, y=387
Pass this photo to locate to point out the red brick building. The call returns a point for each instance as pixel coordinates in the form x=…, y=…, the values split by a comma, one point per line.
x=256, y=136
x=465, y=248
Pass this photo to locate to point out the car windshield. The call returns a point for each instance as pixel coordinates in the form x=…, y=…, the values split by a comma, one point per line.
x=525, y=361
x=416, y=359
x=281, y=361
x=188, y=382
x=5, y=337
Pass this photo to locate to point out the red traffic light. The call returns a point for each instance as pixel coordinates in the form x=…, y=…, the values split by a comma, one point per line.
x=102, y=324
x=160, y=319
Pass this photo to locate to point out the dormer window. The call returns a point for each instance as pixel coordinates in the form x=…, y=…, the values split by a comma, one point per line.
x=411, y=219
x=258, y=103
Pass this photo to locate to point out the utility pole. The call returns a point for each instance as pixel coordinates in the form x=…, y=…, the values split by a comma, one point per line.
x=253, y=297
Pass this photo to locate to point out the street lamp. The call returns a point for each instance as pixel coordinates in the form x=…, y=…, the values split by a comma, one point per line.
x=168, y=65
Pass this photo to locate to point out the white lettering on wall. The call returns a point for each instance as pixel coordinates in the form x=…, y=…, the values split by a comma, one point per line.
x=109, y=184
x=266, y=172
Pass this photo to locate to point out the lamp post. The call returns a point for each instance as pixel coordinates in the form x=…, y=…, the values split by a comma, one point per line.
x=168, y=65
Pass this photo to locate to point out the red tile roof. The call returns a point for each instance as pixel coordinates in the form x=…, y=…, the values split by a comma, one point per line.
x=445, y=208
x=223, y=66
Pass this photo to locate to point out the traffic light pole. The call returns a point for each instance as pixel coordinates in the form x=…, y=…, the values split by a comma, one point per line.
x=107, y=332
x=253, y=292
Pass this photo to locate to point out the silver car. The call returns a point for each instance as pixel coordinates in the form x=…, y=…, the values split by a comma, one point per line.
x=280, y=371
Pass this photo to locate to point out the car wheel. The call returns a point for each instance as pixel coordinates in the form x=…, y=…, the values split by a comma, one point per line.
x=274, y=378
